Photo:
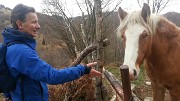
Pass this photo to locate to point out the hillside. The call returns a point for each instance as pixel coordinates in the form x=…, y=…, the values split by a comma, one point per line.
x=4, y=17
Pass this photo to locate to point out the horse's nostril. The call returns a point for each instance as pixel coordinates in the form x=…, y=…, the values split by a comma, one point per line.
x=135, y=73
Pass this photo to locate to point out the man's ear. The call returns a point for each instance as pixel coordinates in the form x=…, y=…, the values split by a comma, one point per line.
x=19, y=24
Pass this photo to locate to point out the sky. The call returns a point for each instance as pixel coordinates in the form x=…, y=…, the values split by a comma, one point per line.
x=128, y=5
x=33, y=3
x=174, y=5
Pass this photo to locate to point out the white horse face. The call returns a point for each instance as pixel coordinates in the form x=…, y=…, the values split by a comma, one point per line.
x=131, y=42
x=137, y=42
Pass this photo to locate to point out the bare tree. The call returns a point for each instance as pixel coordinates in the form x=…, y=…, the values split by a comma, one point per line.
x=157, y=5
x=98, y=15
x=80, y=32
x=71, y=36
x=77, y=36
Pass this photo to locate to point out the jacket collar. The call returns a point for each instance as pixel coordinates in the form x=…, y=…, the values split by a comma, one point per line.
x=10, y=34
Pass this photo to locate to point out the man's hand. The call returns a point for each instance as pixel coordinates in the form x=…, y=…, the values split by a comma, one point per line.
x=93, y=72
x=7, y=99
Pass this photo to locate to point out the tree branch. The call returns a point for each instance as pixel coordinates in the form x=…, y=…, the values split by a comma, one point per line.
x=88, y=50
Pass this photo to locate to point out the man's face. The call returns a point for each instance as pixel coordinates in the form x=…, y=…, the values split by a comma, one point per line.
x=30, y=25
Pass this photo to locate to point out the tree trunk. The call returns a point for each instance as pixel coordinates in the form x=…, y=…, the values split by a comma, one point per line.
x=100, y=94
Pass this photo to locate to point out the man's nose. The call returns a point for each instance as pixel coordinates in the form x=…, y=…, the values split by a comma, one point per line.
x=38, y=26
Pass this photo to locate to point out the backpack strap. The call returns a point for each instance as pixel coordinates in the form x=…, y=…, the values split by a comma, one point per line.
x=21, y=76
x=22, y=87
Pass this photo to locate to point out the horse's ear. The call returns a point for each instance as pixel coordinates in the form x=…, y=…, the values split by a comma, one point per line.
x=122, y=14
x=145, y=13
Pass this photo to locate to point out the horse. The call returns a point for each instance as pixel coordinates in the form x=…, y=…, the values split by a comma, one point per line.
x=153, y=41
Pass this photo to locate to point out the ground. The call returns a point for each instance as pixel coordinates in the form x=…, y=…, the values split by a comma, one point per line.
x=142, y=88
x=145, y=90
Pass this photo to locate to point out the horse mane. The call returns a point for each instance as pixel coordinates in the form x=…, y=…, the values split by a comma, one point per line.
x=136, y=18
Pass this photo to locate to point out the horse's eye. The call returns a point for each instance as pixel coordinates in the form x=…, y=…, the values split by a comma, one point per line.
x=145, y=35
x=122, y=37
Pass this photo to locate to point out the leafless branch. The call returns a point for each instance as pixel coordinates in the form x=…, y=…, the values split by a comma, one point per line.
x=88, y=50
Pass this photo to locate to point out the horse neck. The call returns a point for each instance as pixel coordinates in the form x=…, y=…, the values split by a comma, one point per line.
x=165, y=39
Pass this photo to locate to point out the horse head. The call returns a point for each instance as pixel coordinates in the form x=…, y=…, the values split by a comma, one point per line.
x=136, y=37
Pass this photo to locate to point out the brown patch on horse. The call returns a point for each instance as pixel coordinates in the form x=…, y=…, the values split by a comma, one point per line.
x=169, y=30
x=145, y=41
x=123, y=36
x=169, y=35
x=163, y=63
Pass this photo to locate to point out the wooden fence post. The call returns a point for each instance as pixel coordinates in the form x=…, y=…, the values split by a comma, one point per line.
x=126, y=85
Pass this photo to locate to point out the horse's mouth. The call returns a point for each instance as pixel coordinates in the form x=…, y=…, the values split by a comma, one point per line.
x=134, y=75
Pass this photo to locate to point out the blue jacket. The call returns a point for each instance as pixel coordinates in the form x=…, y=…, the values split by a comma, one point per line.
x=23, y=59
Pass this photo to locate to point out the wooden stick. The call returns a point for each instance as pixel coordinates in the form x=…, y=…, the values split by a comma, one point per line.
x=126, y=83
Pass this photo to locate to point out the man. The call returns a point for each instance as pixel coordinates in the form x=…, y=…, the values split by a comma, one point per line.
x=24, y=62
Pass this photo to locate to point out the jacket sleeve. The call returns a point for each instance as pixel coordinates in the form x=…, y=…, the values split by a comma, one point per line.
x=26, y=61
